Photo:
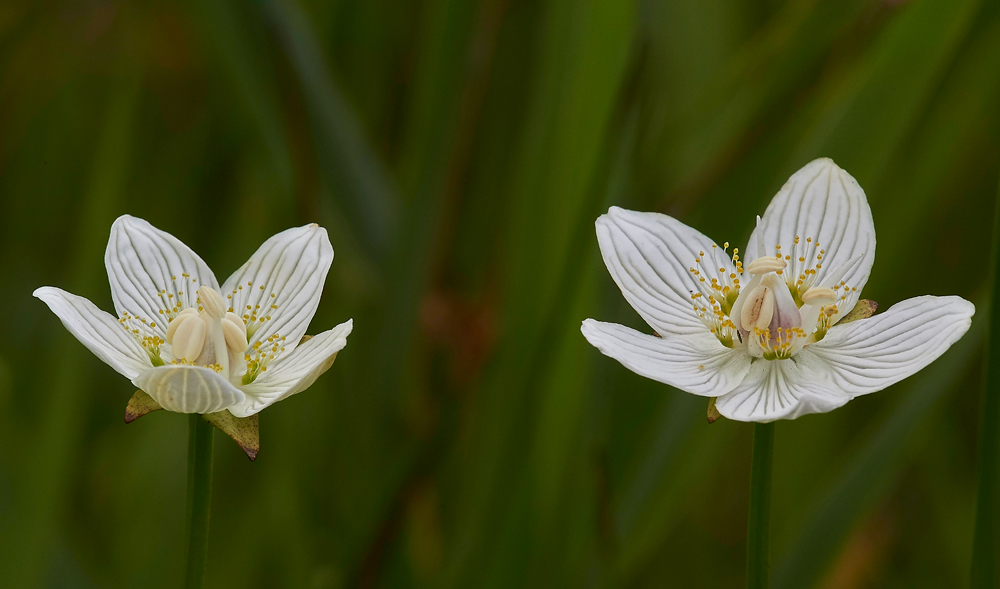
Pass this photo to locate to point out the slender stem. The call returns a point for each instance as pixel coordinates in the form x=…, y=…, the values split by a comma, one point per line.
x=984, y=539
x=759, y=519
x=199, y=498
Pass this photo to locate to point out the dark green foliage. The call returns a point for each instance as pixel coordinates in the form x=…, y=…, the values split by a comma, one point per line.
x=459, y=152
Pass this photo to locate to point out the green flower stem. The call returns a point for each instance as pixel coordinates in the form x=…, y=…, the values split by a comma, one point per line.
x=759, y=519
x=984, y=539
x=199, y=498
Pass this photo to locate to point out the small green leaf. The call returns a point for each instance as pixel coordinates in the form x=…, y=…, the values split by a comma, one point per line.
x=713, y=413
x=245, y=431
x=139, y=405
x=863, y=310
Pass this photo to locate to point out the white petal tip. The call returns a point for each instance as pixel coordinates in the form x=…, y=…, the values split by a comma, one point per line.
x=346, y=328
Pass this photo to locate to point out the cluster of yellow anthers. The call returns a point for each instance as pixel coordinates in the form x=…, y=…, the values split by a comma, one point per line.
x=801, y=269
x=715, y=301
x=175, y=301
x=714, y=318
x=253, y=316
x=782, y=344
x=261, y=354
x=828, y=313
x=182, y=362
x=139, y=329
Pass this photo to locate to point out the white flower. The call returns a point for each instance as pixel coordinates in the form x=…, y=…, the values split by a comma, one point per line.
x=762, y=334
x=194, y=350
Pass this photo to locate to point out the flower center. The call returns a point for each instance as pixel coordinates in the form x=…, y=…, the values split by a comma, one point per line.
x=206, y=329
x=213, y=338
x=783, y=308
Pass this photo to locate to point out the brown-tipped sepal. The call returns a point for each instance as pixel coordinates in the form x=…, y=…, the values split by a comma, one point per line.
x=245, y=431
x=139, y=405
x=713, y=413
x=863, y=310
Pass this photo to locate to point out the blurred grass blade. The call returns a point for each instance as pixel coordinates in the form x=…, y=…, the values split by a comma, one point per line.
x=238, y=48
x=942, y=145
x=581, y=58
x=879, y=463
x=696, y=136
x=885, y=96
x=359, y=179
x=56, y=439
x=985, y=546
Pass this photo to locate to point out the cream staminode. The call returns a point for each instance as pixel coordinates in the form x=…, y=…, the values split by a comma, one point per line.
x=191, y=348
x=765, y=336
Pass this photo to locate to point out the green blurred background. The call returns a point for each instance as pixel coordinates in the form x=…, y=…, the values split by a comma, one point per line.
x=459, y=151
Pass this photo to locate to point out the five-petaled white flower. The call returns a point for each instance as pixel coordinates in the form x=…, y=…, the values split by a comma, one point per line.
x=193, y=349
x=761, y=334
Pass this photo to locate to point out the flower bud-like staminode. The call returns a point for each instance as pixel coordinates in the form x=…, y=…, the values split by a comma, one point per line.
x=758, y=309
x=238, y=321
x=212, y=302
x=766, y=264
x=819, y=296
x=189, y=337
x=235, y=333
x=172, y=328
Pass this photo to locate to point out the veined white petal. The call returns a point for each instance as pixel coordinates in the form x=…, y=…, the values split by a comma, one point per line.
x=98, y=330
x=292, y=266
x=295, y=372
x=650, y=257
x=143, y=262
x=188, y=389
x=696, y=363
x=870, y=354
x=781, y=389
x=822, y=202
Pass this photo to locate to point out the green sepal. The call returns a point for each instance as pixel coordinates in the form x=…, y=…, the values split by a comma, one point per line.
x=245, y=431
x=713, y=413
x=863, y=310
x=139, y=405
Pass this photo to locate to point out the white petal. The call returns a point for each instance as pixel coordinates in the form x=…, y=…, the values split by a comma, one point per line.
x=698, y=364
x=98, y=330
x=870, y=354
x=292, y=266
x=781, y=389
x=189, y=389
x=295, y=372
x=143, y=261
x=650, y=257
x=825, y=203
